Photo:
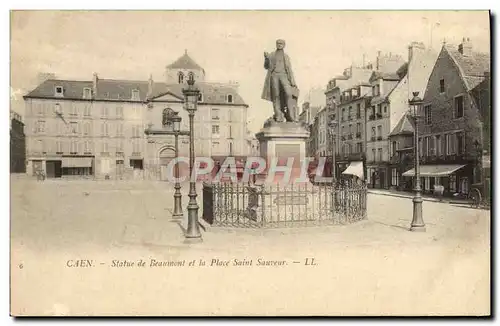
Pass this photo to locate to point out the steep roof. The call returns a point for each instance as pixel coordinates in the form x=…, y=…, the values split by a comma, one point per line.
x=185, y=62
x=472, y=67
x=405, y=125
x=121, y=90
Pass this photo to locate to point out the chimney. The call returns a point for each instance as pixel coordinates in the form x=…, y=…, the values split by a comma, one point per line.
x=378, y=61
x=466, y=47
x=413, y=48
x=150, y=87
x=94, y=84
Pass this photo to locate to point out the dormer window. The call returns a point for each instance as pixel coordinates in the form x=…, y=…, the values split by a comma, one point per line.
x=354, y=92
x=229, y=98
x=135, y=95
x=191, y=75
x=87, y=92
x=59, y=91
x=181, y=77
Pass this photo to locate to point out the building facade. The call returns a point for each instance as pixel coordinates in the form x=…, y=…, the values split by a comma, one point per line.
x=451, y=130
x=97, y=128
x=17, y=144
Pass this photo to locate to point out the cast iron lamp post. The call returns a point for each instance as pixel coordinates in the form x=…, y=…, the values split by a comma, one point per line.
x=417, y=224
x=332, y=125
x=191, y=93
x=177, y=215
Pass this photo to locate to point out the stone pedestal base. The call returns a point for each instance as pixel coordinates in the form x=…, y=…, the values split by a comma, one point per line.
x=281, y=141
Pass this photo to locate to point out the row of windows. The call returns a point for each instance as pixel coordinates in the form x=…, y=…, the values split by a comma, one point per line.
x=80, y=147
x=376, y=155
x=87, y=93
x=74, y=109
x=348, y=114
x=445, y=144
x=458, y=110
x=85, y=128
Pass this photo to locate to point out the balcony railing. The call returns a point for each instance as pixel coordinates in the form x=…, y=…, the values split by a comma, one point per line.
x=349, y=136
x=379, y=115
x=358, y=135
x=379, y=138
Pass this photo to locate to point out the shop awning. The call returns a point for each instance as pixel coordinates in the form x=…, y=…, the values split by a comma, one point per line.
x=355, y=168
x=76, y=162
x=434, y=170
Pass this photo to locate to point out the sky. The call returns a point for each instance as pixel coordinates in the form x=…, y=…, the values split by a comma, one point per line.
x=229, y=45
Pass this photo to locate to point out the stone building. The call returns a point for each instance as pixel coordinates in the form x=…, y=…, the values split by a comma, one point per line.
x=17, y=144
x=451, y=129
x=389, y=109
x=97, y=128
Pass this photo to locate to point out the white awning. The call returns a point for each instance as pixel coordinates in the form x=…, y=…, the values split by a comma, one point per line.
x=355, y=168
x=434, y=170
x=76, y=162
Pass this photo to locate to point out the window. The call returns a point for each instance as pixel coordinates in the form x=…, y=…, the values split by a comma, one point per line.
x=379, y=131
x=119, y=146
x=460, y=143
x=119, y=130
x=74, y=128
x=450, y=144
x=426, y=146
x=393, y=148
x=432, y=145
x=373, y=154
x=215, y=130
x=441, y=86
x=359, y=147
x=373, y=133
x=74, y=147
x=200, y=97
x=380, y=154
x=86, y=110
x=374, y=91
x=358, y=127
x=230, y=132
x=180, y=77
x=427, y=183
x=135, y=95
x=231, y=149
x=385, y=108
x=74, y=109
x=104, y=112
x=229, y=98
x=87, y=93
x=395, y=177
x=358, y=111
x=354, y=92
x=349, y=116
x=59, y=91
x=459, y=107
x=119, y=111
x=427, y=114
x=59, y=147
x=215, y=114
x=136, y=146
x=104, y=129
x=104, y=147
x=379, y=109
x=350, y=128
x=86, y=146
x=343, y=114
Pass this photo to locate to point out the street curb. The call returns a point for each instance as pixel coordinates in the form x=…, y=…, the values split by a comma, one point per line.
x=444, y=201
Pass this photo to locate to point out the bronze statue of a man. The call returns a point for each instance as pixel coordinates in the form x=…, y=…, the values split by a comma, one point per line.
x=279, y=86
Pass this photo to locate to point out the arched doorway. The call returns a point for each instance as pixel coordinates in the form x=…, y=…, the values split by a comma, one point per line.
x=165, y=155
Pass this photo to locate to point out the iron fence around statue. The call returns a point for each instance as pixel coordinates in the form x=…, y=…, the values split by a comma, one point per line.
x=274, y=206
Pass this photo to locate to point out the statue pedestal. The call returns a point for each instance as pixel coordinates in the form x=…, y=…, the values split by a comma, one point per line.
x=280, y=141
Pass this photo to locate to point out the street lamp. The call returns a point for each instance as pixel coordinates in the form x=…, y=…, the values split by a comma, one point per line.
x=191, y=94
x=332, y=125
x=417, y=224
x=177, y=214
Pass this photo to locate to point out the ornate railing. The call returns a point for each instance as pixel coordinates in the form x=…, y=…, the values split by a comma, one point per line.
x=274, y=206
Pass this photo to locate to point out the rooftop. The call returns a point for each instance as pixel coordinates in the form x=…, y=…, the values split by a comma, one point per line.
x=472, y=67
x=185, y=62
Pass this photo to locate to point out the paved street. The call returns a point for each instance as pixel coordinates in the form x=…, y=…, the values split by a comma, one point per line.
x=365, y=268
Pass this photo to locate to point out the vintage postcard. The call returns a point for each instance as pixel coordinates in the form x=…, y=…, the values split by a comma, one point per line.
x=250, y=163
